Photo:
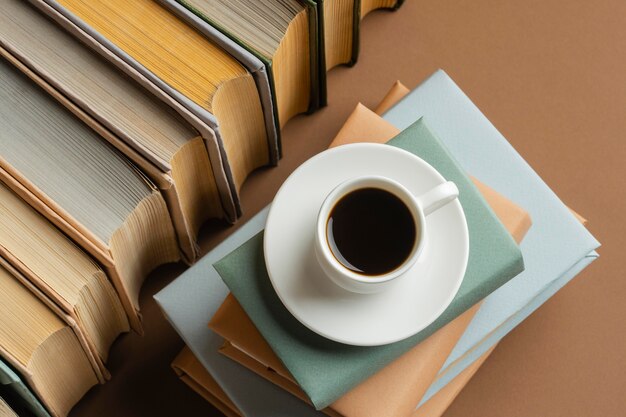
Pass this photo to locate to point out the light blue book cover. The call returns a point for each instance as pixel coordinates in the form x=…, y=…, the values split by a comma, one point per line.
x=191, y=300
x=451, y=370
x=557, y=245
x=14, y=383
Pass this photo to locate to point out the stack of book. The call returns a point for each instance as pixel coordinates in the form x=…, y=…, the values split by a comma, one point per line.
x=255, y=359
x=125, y=127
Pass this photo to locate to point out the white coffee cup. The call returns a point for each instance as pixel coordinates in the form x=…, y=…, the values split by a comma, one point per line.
x=419, y=207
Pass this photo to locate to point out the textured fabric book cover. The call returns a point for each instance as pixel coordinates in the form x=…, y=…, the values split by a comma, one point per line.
x=364, y=125
x=326, y=370
x=557, y=246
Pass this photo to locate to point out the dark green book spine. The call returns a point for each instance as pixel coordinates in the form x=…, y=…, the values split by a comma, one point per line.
x=318, y=56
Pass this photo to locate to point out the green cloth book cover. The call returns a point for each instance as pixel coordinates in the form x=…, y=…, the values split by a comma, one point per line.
x=326, y=370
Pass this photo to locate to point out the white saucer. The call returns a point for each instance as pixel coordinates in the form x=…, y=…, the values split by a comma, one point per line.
x=356, y=319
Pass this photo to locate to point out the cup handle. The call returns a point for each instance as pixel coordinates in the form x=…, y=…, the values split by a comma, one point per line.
x=438, y=197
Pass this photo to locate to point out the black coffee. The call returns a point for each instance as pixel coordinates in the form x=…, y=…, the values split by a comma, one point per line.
x=371, y=231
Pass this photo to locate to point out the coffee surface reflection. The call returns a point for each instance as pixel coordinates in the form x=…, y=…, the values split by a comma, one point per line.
x=371, y=231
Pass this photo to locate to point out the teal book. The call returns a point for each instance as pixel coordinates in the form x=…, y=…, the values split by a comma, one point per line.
x=326, y=370
x=11, y=385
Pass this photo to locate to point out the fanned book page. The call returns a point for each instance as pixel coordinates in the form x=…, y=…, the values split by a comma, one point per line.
x=43, y=347
x=83, y=185
x=169, y=149
x=278, y=32
x=170, y=52
x=339, y=31
x=13, y=385
x=60, y=269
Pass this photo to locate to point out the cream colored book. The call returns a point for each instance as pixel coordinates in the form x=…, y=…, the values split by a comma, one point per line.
x=89, y=190
x=44, y=345
x=143, y=126
x=54, y=264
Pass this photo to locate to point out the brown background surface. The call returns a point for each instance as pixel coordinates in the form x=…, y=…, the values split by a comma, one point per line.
x=551, y=75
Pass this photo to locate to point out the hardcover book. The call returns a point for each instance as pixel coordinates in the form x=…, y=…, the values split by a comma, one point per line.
x=214, y=90
x=493, y=260
x=137, y=122
x=12, y=386
x=403, y=390
x=557, y=247
x=52, y=263
x=283, y=35
x=85, y=187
